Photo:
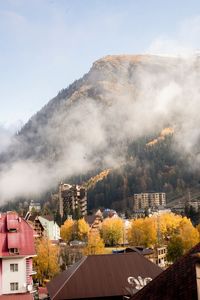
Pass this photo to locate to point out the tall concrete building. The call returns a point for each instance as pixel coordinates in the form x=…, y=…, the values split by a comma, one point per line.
x=72, y=198
x=148, y=200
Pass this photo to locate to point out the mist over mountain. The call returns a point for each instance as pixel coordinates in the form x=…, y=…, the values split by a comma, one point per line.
x=92, y=124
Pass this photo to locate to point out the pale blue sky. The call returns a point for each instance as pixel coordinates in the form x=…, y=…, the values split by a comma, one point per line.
x=46, y=44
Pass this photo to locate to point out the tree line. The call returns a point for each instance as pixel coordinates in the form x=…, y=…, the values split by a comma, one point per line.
x=156, y=168
x=174, y=231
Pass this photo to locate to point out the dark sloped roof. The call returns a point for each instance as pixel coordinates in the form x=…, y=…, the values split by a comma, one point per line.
x=90, y=219
x=101, y=276
x=140, y=249
x=59, y=281
x=177, y=282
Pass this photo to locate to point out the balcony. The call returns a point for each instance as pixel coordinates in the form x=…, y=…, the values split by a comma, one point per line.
x=31, y=272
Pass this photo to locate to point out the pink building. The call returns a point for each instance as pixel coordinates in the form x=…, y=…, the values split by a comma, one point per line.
x=16, y=253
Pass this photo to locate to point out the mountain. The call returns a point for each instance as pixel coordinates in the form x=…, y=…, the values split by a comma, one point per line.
x=105, y=120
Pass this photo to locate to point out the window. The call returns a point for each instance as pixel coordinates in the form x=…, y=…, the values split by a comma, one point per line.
x=14, y=286
x=14, y=251
x=14, y=267
x=12, y=230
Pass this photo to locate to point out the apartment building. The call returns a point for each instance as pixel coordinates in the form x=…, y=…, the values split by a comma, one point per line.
x=148, y=200
x=72, y=198
x=16, y=253
x=52, y=230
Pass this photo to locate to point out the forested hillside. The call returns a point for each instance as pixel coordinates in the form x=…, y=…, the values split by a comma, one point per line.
x=112, y=119
x=149, y=168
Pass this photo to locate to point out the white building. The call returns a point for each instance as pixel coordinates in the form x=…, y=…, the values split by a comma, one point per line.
x=51, y=227
x=34, y=206
x=16, y=253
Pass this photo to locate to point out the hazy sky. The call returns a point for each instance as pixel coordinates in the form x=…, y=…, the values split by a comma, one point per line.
x=46, y=44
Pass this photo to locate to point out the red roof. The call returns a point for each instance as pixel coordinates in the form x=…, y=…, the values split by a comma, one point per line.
x=101, y=276
x=15, y=233
x=178, y=282
x=26, y=296
x=13, y=240
x=12, y=221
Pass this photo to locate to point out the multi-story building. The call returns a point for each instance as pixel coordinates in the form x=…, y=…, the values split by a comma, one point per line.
x=34, y=206
x=161, y=256
x=16, y=253
x=52, y=230
x=148, y=200
x=34, y=222
x=44, y=226
x=141, y=201
x=157, y=199
x=72, y=198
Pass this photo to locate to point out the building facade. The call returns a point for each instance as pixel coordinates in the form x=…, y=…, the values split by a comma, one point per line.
x=72, y=199
x=34, y=206
x=95, y=221
x=52, y=230
x=148, y=200
x=16, y=253
x=161, y=256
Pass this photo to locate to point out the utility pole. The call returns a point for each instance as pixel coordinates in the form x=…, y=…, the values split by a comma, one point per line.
x=158, y=229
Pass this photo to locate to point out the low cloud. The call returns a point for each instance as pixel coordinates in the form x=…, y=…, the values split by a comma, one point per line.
x=122, y=99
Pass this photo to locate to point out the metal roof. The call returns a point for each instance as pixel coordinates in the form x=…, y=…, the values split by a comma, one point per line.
x=22, y=238
x=178, y=282
x=101, y=276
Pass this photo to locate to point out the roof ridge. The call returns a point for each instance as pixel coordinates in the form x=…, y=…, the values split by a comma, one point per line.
x=188, y=254
x=80, y=263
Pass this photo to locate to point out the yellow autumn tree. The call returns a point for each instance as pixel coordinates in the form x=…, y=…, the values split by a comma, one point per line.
x=143, y=232
x=67, y=230
x=83, y=229
x=172, y=225
x=188, y=233
x=198, y=228
x=136, y=233
x=168, y=224
x=112, y=231
x=150, y=232
x=46, y=261
x=160, y=229
x=95, y=244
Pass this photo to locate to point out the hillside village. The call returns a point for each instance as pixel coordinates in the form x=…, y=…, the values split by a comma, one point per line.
x=99, y=150
x=39, y=250
x=121, y=229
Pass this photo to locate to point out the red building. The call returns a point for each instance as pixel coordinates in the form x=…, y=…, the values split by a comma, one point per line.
x=16, y=253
